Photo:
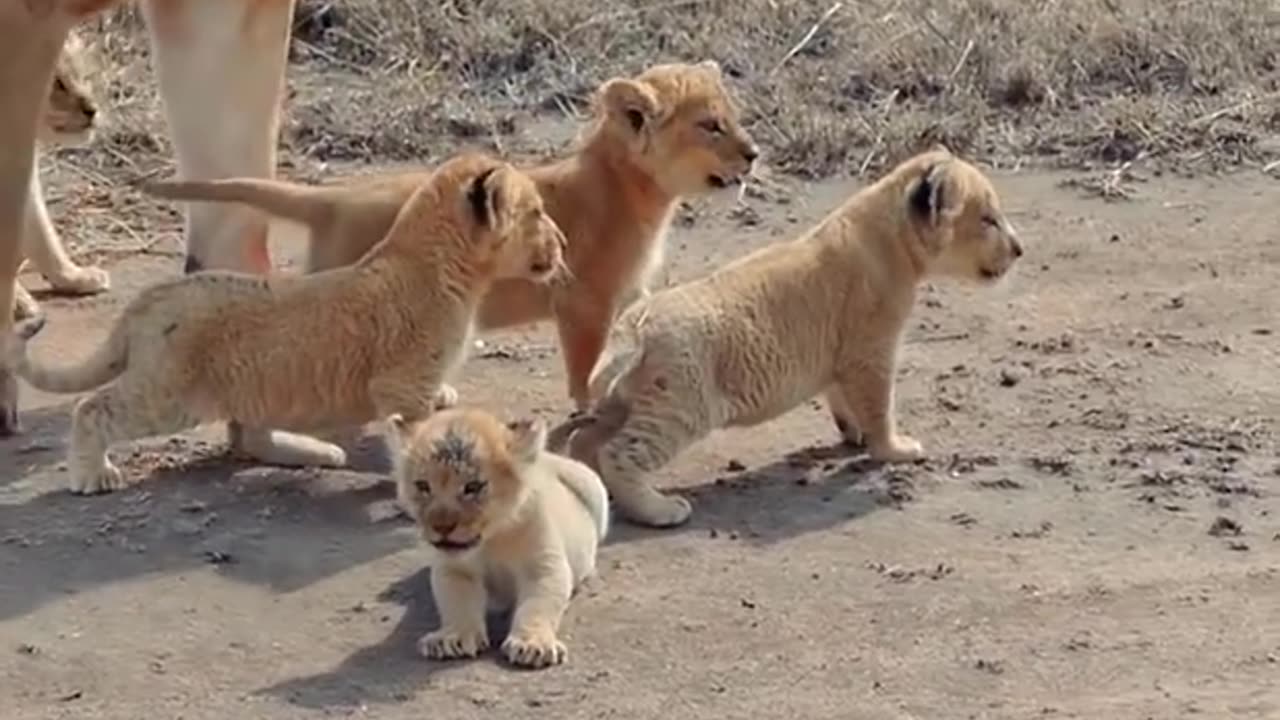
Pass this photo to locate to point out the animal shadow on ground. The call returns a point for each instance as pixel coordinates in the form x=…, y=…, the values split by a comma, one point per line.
x=808, y=490
x=391, y=671
x=191, y=505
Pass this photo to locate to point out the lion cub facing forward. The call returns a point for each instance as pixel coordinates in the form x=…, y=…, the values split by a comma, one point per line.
x=300, y=352
x=512, y=525
x=820, y=314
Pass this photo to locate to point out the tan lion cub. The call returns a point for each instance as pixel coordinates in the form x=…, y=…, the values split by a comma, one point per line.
x=820, y=314
x=299, y=352
x=670, y=132
x=512, y=524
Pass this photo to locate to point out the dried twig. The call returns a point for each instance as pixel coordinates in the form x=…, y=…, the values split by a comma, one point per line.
x=807, y=36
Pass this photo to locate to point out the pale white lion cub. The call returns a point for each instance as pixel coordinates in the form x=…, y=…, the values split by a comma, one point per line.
x=820, y=314
x=512, y=525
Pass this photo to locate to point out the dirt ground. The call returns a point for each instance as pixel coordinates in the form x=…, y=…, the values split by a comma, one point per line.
x=1097, y=534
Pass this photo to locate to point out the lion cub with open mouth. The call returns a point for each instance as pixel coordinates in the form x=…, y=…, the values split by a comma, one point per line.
x=347, y=346
x=820, y=314
x=511, y=523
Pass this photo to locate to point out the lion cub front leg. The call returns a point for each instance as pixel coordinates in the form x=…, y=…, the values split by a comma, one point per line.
x=541, y=598
x=282, y=448
x=460, y=599
x=846, y=421
x=867, y=392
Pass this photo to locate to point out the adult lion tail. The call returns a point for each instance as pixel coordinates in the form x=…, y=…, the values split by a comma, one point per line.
x=304, y=204
x=106, y=362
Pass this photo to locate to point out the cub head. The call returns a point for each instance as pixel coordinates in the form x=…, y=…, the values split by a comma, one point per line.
x=461, y=473
x=678, y=124
x=504, y=218
x=70, y=111
x=956, y=215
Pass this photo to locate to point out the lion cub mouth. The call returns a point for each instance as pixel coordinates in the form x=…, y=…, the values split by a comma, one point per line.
x=721, y=182
x=453, y=545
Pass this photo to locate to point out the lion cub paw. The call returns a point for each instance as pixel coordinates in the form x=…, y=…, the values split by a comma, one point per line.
x=534, y=649
x=105, y=480
x=900, y=448
x=446, y=644
x=658, y=510
x=445, y=398
x=82, y=281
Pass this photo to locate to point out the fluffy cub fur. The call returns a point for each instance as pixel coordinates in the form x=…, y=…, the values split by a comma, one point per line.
x=68, y=119
x=342, y=347
x=511, y=525
x=670, y=132
x=820, y=314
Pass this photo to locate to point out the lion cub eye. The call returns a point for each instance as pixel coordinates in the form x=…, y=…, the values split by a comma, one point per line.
x=423, y=486
x=473, y=488
x=991, y=220
x=712, y=126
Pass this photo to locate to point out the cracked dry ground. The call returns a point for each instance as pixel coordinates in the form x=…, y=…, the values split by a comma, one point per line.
x=1097, y=535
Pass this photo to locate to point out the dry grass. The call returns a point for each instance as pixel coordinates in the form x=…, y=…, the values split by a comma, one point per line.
x=826, y=91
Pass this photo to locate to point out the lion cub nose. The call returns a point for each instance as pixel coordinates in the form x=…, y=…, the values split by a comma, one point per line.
x=444, y=527
x=751, y=153
x=1016, y=247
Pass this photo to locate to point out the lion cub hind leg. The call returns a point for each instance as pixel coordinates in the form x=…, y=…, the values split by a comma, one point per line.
x=40, y=244
x=284, y=449
x=112, y=415
x=542, y=594
x=460, y=599
x=653, y=429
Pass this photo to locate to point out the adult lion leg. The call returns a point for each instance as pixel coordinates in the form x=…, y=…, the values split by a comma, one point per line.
x=114, y=414
x=220, y=67
x=635, y=436
x=41, y=245
x=867, y=391
x=28, y=57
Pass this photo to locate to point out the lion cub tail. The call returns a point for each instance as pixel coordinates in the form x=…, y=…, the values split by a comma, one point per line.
x=303, y=204
x=106, y=362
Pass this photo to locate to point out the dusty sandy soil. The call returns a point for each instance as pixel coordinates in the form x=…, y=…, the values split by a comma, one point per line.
x=1097, y=532
x=1096, y=536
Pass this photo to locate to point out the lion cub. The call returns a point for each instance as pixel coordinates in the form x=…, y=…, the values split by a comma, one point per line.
x=68, y=119
x=670, y=132
x=300, y=352
x=820, y=314
x=512, y=525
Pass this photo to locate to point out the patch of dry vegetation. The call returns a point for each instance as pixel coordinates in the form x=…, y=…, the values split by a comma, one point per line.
x=826, y=91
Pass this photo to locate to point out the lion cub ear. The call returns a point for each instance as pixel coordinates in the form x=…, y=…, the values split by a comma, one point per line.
x=399, y=431
x=634, y=102
x=927, y=195
x=488, y=199
x=712, y=67
x=528, y=439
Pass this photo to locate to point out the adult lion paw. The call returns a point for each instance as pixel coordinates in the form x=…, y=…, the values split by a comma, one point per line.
x=534, y=649
x=446, y=644
x=87, y=280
